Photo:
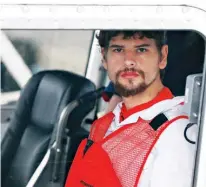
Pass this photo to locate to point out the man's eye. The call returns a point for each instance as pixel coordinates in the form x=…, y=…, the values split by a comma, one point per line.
x=141, y=50
x=118, y=50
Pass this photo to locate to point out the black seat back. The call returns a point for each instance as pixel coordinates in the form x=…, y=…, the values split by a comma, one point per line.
x=38, y=110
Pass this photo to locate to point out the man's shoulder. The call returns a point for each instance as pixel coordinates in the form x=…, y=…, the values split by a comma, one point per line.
x=178, y=124
x=177, y=108
x=100, y=126
x=177, y=134
x=105, y=118
x=171, y=108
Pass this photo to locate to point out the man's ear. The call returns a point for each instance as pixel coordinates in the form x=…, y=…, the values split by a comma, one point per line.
x=104, y=62
x=164, y=54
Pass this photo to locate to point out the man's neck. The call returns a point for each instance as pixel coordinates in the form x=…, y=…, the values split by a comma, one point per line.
x=150, y=93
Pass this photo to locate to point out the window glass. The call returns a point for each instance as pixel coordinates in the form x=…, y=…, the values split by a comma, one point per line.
x=48, y=49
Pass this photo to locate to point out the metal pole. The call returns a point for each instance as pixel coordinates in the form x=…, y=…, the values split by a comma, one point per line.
x=200, y=162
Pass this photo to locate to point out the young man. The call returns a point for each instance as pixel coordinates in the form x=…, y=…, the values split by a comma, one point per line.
x=141, y=142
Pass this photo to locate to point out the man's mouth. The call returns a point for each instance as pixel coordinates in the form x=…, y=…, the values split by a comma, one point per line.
x=129, y=74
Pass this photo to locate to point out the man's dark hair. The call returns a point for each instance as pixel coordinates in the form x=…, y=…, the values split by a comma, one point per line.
x=160, y=38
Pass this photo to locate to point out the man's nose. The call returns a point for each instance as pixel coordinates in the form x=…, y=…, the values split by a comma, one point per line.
x=129, y=59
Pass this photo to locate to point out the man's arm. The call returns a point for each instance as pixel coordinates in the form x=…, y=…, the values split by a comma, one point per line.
x=173, y=157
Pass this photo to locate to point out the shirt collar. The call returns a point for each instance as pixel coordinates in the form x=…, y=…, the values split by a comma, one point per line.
x=164, y=94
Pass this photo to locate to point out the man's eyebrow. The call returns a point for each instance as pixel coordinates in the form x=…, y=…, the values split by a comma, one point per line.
x=115, y=45
x=122, y=46
x=143, y=45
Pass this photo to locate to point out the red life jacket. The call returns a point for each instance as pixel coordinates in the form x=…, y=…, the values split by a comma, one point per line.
x=116, y=160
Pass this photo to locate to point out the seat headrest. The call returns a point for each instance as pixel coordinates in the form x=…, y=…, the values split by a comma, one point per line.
x=48, y=92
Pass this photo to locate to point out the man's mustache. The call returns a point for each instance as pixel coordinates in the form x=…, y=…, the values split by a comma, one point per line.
x=140, y=72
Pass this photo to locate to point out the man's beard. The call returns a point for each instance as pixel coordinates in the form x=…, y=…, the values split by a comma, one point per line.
x=127, y=92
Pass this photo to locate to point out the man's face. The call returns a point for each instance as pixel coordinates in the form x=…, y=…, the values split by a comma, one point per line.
x=133, y=64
